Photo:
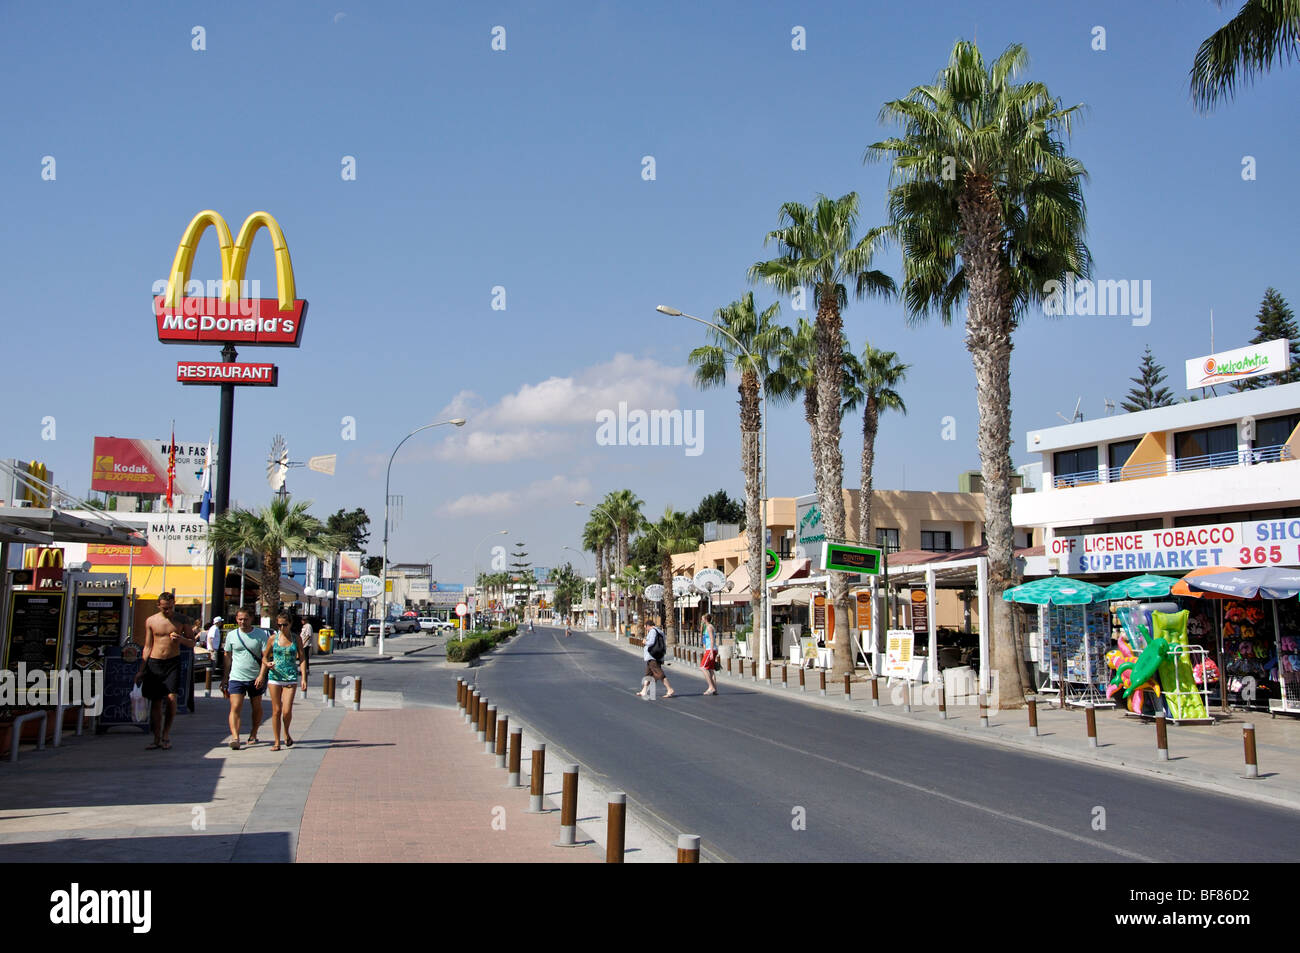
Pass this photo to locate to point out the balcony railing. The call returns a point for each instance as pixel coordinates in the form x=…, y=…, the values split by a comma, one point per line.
x=1208, y=461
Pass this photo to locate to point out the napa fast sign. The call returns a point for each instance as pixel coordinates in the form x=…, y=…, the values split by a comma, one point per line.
x=1254, y=361
x=1179, y=549
x=184, y=314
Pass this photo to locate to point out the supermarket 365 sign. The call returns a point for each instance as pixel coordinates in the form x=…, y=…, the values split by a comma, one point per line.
x=1257, y=543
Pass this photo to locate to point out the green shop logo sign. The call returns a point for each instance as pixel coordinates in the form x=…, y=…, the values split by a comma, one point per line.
x=1251, y=364
x=809, y=522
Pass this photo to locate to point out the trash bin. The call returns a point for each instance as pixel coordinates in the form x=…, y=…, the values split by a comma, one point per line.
x=325, y=640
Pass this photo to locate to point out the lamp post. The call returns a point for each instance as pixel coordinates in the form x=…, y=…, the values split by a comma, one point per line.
x=383, y=590
x=618, y=608
x=765, y=606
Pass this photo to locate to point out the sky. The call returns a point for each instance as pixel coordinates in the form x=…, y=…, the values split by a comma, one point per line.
x=516, y=215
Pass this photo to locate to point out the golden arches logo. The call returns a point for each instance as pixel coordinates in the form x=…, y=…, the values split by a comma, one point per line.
x=234, y=257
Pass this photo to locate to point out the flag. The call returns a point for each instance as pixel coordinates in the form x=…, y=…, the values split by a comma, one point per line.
x=205, y=508
x=171, y=467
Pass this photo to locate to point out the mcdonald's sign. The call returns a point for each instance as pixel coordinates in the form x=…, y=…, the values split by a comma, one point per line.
x=32, y=490
x=230, y=318
x=46, y=564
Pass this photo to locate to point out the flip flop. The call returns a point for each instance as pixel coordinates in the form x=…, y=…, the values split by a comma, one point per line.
x=288, y=742
x=153, y=747
x=275, y=747
x=166, y=745
x=234, y=745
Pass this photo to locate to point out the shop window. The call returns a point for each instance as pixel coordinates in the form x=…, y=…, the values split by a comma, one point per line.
x=936, y=541
x=1071, y=467
x=1211, y=447
x=887, y=539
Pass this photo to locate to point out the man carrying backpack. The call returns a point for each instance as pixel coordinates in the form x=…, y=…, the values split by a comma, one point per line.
x=656, y=647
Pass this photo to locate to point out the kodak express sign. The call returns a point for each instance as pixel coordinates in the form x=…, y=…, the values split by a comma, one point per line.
x=230, y=318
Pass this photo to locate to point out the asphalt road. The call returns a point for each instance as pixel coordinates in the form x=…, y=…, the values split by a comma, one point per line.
x=766, y=779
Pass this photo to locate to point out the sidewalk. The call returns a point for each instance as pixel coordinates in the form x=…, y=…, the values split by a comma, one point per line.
x=1210, y=757
x=382, y=784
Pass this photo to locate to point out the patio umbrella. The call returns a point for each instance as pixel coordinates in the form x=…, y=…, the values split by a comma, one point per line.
x=1183, y=588
x=1140, y=587
x=1268, y=582
x=1054, y=590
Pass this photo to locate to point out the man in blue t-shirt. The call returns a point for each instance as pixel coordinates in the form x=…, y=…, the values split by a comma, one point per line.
x=244, y=673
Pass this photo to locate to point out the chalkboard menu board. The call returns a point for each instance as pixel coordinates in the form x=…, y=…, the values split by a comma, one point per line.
x=119, y=679
x=35, y=624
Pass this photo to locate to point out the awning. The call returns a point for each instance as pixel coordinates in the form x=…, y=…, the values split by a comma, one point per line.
x=795, y=595
x=66, y=527
x=287, y=586
x=20, y=534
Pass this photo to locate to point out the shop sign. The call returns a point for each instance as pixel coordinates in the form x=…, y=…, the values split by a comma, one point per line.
x=230, y=318
x=350, y=564
x=227, y=372
x=920, y=612
x=773, y=565
x=709, y=580
x=1254, y=360
x=864, y=611
x=350, y=590
x=809, y=531
x=1180, y=549
x=130, y=465
x=371, y=586
x=841, y=557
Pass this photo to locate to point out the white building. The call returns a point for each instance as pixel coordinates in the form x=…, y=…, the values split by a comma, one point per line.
x=1230, y=462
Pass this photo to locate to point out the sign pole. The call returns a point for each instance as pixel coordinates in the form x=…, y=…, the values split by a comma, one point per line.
x=225, y=428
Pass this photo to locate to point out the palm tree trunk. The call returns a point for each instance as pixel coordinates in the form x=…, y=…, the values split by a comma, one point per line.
x=988, y=338
x=666, y=580
x=829, y=470
x=751, y=423
x=870, y=424
x=270, y=585
x=600, y=591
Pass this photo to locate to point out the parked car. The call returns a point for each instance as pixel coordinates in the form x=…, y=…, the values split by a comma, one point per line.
x=395, y=626
x=428, y=623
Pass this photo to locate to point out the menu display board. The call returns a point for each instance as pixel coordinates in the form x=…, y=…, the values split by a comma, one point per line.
x=96, y=627
x=920, y=612
x=35, y=623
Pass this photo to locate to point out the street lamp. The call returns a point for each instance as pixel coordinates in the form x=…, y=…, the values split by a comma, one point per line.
x=618, y=608
x=765, y=606
x=383, y=590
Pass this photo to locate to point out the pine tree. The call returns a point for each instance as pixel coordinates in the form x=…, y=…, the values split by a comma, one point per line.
x=1149, y=391
x=1274, y=321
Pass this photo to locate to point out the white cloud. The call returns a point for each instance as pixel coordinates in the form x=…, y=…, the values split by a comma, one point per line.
x=500, y=433
x=558, y=489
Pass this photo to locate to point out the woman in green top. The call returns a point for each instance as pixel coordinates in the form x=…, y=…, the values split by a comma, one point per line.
x=284, y=658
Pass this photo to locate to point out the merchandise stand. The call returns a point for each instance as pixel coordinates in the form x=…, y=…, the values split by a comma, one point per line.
x=1196, y=655
x=1288, y=670
x=1077, y=638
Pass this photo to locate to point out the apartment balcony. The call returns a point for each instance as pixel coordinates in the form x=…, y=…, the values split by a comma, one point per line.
x=1259, y=478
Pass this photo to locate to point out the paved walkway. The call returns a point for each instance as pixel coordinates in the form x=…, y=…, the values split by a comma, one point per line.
x=414, y=785
x=1206, y=756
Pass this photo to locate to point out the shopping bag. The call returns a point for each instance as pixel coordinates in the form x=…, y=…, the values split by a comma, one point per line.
x=139, y=705
x=706, y=663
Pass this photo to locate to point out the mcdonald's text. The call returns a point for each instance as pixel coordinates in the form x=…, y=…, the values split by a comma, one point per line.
x=208, y=321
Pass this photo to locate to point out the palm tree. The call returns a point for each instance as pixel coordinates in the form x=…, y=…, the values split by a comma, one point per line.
x=674, y=533
x=1262, y=33
x=762, y=340
x=281, y=527
x=568, y=588
x=596, y=537
x=870, y=384
x=817, y=249
x=624, y=508
x=979, y=174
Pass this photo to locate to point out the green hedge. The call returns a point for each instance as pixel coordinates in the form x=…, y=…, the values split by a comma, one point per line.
x=474, y=645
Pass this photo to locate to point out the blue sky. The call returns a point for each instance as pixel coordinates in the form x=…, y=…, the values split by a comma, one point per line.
x=523, y=169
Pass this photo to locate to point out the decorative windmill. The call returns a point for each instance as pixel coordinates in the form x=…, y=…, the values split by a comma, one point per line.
x=278, y=464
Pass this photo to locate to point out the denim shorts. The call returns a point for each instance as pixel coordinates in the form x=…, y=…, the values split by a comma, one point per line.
x=248, y=688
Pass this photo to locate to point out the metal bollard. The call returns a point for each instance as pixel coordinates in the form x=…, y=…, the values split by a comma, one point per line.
x=325, y=686
x=503, y=724
x=1090, y=718
x=688, y=848
x=1162, y=739
x=569, y=808
x=535, y=782
x=984, y=710
x=907, y=695
x=1252, y=762
x=822, y=686
x=785, y=680
x=1033, y=717
x=616, y=828
x=356, y=695
x=767, y=672
x=460, y=692
x=480, y=725
x=728, y=664
x=207, y=683
x=490, y=731
x=472, y=714
x=332, y=688
x=803, y=685
x=516, y=755
x=848, y=687
x=875, y=692
x=943, y=703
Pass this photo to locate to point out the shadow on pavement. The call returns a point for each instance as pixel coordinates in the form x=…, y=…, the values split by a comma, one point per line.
x=272, y=847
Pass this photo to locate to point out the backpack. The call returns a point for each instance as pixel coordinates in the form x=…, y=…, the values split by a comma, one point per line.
x=658, y=647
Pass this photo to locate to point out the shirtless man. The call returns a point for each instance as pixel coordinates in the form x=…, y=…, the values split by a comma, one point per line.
x=160, y=666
